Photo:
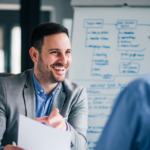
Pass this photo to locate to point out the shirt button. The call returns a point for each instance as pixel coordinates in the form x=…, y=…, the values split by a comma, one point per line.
x=41, y=90
x=38, y=92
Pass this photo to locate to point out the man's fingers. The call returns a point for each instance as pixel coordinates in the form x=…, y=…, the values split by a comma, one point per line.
x=55, y=112
x=58, y=122
x=11, y=147
x=17, y=148
x=55, y=121
x=42, y=119
x=61, y=126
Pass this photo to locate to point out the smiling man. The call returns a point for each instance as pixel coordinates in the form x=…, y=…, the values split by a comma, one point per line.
x=43, y=93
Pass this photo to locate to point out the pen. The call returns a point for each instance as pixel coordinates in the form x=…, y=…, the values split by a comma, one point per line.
x=13, y=143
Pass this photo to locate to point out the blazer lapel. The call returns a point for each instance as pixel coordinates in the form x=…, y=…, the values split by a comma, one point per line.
x=58, y=99
x=29, y=96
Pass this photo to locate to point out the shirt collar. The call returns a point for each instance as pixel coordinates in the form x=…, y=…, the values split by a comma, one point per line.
x=39, y=89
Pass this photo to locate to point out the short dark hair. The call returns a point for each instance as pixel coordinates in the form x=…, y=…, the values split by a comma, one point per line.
x=44, y=29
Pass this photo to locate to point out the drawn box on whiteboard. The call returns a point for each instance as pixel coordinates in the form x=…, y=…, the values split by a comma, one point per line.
x=126, y=24
x=129, y=68
x=93, y=23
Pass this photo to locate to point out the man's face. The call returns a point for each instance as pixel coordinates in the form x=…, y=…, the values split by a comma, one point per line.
x=55, y=57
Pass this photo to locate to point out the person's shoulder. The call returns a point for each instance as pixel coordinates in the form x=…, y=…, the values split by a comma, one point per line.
x=145, y=79
x=139, y=90
x=72, y=86
x=143, y=82
x=74, y=92
x=15, y=79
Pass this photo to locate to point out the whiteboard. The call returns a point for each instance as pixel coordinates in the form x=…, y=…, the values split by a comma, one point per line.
x=110, y=2
x=110, y=48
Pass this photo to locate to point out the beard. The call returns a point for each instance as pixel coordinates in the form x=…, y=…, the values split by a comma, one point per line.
x=45, y=75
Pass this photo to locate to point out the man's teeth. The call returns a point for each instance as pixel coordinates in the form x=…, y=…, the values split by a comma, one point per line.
x=58, y=68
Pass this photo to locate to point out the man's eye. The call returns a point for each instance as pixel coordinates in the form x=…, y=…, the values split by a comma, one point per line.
x=68, y=52
x=54, y=52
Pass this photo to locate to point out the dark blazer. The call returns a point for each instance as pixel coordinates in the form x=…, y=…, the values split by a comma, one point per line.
x=17, y=96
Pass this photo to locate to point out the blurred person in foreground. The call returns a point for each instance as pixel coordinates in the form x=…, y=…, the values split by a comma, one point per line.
x=43, y=93
x=128, y=127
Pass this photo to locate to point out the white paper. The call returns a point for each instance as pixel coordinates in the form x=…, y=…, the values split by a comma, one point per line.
x=33, y=135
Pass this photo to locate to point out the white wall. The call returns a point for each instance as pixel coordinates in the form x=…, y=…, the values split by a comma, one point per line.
x=110, y=2
x=62, y=7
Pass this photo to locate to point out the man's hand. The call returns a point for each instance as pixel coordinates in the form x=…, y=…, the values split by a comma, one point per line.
x=54, y=119
x=11, y=147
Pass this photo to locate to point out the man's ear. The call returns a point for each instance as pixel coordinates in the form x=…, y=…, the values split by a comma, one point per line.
x=34, y=53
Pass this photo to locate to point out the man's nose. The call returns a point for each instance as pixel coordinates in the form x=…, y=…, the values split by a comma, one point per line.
x=62, y=59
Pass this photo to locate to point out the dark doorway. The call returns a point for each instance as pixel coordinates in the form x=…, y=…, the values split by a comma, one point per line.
x=8, y=20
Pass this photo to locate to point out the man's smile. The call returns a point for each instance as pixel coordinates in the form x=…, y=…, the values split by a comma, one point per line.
x=59, y=69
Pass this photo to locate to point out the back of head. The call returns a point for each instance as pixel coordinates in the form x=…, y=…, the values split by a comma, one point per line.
x=44, y=29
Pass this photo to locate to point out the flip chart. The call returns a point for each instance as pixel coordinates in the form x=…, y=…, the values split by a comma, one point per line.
x=110, y=48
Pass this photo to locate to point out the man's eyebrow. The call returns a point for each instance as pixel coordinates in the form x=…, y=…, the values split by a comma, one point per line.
x=69, y=49
x=56, y=49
